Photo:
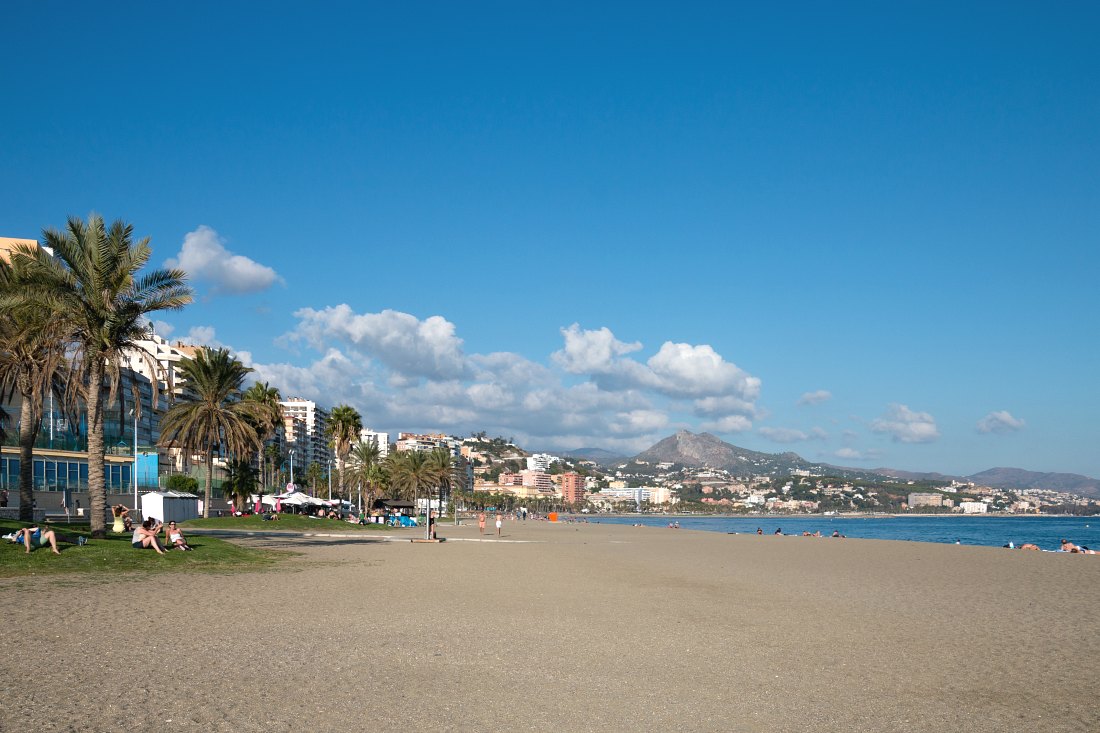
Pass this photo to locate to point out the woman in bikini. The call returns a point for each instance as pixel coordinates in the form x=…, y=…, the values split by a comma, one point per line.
x=173, y=536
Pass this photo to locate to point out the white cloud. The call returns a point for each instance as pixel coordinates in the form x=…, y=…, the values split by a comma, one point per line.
x=816, y=397
x=402, y=342
x=850, y=454
x=906, y=426
x=728, y=424
x=204, y=258
x=202, y=336
x=783, y=435
x=407, y=373
x=163, y=328
x=591, y=352
x=1001, y=421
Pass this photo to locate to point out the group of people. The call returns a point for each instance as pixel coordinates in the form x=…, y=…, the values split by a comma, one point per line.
x=481, y=522
x=147, y=536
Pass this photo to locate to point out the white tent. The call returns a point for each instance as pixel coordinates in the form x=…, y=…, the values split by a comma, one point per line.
x=170, y=506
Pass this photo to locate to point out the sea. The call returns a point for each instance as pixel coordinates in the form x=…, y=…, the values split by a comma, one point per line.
x=996, y=531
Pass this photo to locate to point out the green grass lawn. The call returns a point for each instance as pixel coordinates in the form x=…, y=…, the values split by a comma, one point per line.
x=291, y=522
x=116, y=555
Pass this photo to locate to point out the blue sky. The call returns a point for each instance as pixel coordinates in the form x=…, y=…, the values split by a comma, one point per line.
x=864, y=233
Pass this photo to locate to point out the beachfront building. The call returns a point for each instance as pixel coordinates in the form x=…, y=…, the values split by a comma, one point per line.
x=540, y=481
x=572, y=488
x=930, y=500
x=973, y=507
x=382, y=440
x=310, y=444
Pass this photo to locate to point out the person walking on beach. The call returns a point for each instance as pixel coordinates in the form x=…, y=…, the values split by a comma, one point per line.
x=481, y=522
x=500, y=522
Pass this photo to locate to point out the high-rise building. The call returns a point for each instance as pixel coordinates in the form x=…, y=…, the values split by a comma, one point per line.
x=313, y=447
x=572, y=488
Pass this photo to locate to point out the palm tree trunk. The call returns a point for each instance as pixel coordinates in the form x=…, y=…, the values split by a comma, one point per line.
x=209, y=483
x=97, y=483
x=28, y=431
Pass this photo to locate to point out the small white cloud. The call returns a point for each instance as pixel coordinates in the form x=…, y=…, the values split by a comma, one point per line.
x=906, y=426
x=1001, y=421
x=850, y=454
x=204, y=257
x=684, y=370
x=728, y=424
x=202, y=336
x=163, y=328
x=816, y=397
x=783, y=435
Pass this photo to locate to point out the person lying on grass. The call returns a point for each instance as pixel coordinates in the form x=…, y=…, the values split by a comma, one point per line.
x=145, y=536
x=33, y=537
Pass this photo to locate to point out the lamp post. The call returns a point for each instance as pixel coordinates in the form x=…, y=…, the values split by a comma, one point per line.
x=330, y=478
x=292, y=452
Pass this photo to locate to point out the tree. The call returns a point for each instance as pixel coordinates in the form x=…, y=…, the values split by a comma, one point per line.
x=32, y=356
x=344, y=426
x=241, y=483
x=314, y=475
x=270, y=418
x=365, y=469
x=409, y=473
x=211, y=416
x=441, y=469
x=91, y=282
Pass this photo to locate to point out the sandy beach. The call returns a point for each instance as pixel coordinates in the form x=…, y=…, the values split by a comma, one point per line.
x=568, y=627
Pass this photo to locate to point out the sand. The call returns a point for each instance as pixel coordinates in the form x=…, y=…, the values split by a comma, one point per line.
x=568, y=627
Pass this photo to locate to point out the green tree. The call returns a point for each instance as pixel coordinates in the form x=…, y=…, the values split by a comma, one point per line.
x=91, y=281
x=315, y=474
x=211, y=415
x=269, y=422
x=364, y=464
x=344, y=426
x=32, y=357
x=441, y=469
x=241, y=483
x=409, y=473
x=182, y=483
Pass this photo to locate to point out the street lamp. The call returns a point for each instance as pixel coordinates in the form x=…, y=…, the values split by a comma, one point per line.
x=292, y=452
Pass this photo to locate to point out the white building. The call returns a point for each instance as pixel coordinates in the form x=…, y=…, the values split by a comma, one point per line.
x=973, y=507
x=540, y=462
x=315, y=447
x=382, y=440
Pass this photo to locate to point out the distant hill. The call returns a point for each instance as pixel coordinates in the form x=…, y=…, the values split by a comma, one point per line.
x=599, y=456
x=704, y=449
x=1018, y=478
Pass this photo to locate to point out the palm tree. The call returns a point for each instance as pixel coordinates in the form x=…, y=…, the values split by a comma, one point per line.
x=91, y=282
x=344, y=426
x=211, y=415
x=441, y=466
x=409, y=473
x=271, y=420
x=363, y=461
x=241, y=483
x=32, y=355
x=314, y=475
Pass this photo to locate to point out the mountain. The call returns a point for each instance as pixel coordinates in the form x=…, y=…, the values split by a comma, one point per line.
x=703, y=449
x=1018, y=478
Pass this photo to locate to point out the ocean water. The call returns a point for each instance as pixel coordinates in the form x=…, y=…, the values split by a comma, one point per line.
x=1046, y=532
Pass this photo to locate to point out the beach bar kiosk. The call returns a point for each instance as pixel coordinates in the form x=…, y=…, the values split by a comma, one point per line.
x=170, y=506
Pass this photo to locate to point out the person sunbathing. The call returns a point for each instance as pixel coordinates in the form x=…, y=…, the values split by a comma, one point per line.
x=174, y=537
x=32, y=537
x=145, y=536
x=1029, y=546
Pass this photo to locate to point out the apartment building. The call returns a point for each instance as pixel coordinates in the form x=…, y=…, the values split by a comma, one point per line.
x=310, y=444
x=572, y=488
x=382, y=440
